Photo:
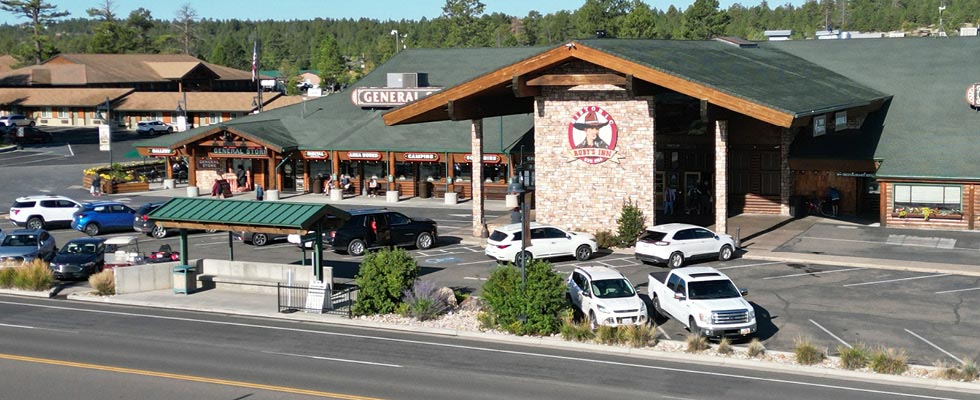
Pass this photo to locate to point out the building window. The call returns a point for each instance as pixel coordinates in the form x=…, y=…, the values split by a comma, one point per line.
x=46, y=112
x=64, y=113
x=941, y=199
x=214, y=118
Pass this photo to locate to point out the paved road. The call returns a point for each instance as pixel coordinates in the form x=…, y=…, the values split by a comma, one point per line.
x=91, y=351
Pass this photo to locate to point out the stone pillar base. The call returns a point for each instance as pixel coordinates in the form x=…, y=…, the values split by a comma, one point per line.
x=272, y=195
x=451, y=198
x=391, y=196
x=169, y=184
x=192, y=191
x=336, y=194
x=511, y=201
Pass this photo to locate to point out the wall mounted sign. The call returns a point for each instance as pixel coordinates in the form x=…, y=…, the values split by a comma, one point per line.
x=238, y=151
x=421, y=157
x=209, y=163
x=487, y=158
x=160, y=152
x=592, y=135
x=364, y=155
x=388, y=97
x=973, y=95
x=819, y=125
x=316, y=154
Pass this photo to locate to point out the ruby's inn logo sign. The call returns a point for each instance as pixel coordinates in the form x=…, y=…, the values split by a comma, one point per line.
x=592, y=135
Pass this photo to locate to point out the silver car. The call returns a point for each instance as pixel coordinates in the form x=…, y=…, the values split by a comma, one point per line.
x=27, y=245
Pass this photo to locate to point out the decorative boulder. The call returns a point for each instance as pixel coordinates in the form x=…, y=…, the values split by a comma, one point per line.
x=448, y=297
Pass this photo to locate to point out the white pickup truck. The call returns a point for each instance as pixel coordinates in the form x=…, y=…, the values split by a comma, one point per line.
x=704, y=300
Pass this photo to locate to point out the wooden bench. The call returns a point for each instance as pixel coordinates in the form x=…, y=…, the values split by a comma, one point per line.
x=494, y=192
x=439, y=190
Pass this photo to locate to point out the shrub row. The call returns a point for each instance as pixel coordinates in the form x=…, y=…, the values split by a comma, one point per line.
x=34, y=276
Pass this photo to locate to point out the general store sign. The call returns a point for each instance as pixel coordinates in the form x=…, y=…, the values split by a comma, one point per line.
x=316, y=154
x=239, y=151
x=487, y=158
x=421, y=157
x=388, y=97
x=363, y=155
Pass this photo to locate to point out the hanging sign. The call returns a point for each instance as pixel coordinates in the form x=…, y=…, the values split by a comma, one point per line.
x=238, y=151
x=105, y=138
x=487, y=158
x=363, y=155
x=160, y=152
x=421, y=157
x=592, y=135
x=316, y=154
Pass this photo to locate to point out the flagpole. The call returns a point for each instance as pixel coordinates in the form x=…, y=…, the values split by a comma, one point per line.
x=255, y=73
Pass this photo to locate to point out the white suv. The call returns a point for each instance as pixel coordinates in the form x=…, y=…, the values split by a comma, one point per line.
x=39, y=212
x=504, y=243
x=16, y=120
x=672, y=244
x=153, y=127
x=606, y=297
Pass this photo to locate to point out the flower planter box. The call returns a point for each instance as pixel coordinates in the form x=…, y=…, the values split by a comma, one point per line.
x=931, y=217
x=117, y=187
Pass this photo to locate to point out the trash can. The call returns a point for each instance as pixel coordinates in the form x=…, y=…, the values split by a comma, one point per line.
x=184, y=279
x=797, y=207
x=425, y=189
x=318, y=185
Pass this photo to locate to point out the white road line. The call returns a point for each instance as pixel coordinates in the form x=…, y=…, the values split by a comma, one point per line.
x=575, y=360
x=933, y=345
x=814, y=273
x=477, y=262
x=18, y=326
x=831, y=334
x=473, y=278
x=661, y=329
x=334, y=359
x=897, y=280
x=958, y=290
x=751, y=265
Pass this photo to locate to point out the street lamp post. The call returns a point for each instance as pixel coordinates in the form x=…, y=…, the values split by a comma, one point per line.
x=516, y=187
x=394, y=32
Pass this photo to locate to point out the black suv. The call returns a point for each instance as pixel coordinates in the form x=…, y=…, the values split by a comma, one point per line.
x=143, y=223
x=374, y=228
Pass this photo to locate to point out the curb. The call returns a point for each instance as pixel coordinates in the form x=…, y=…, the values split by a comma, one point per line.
x=898, y=265
x=7, y=149
x=555, y=342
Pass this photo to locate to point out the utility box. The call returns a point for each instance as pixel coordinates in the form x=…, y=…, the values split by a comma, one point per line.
x=185, y=279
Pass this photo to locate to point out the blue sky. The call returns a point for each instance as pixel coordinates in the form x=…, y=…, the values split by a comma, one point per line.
x=309, y=9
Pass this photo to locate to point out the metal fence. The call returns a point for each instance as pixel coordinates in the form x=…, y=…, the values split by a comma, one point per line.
x=337, y=299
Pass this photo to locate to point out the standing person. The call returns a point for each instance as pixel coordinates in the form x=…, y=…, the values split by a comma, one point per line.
x=834, y=196
x=669, y=197
x=240, y=175
x=704, y=198
x=259, y=193
x=373, y=187
x=96, y=188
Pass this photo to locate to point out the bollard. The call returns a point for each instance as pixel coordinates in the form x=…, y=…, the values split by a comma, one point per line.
x=738, y=236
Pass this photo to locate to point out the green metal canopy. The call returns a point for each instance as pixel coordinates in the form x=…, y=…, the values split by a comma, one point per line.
x=247, y=215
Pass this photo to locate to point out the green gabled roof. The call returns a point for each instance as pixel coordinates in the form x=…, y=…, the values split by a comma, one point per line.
x=929, y=131
x=761, y=75
x=245, y=215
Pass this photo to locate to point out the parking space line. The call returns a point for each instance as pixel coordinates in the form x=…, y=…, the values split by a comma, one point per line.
x=933, y=345
x=751, y=265
x=958, y=290
x=473, y=278
x=814, y=273
x=477, y=262
x=897, y=280
x=831, y=334
x=661, y=329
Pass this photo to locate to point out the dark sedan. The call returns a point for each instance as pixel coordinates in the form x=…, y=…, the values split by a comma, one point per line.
x=259, y=239
x=375, y=228
x=79, y=258
x=143, y=223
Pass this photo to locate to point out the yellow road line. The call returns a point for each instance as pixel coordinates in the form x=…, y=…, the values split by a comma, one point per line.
x=185, y=377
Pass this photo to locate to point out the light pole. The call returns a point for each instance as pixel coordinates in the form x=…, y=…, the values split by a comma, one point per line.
x=394, y=32
x=516, y=187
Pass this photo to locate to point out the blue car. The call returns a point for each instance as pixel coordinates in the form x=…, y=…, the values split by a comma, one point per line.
x=100, y=216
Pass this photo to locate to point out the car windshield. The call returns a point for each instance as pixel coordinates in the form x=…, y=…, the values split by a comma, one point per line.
x=717, y=289
x=498, y=236
x=612, y=288
x=76, y=248
x=20, y=240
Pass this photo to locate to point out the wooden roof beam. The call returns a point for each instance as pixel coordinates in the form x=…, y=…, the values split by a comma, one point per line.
x=521, y=88
x=640, y=87
x=469, y=109
x=577, y=79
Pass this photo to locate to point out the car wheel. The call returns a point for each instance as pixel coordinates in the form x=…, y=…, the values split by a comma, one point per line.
x=424, y=241
x=693, y=327
x=676, y=260
x=32, y=123
x=656, y=306
x=92, y=229
x=159, y=232
x=593, y=322
x=355, y=247
x=170, y=130
x=526, y=255
x=260, y=239
x=35, y=223
x=583, y=252
x=726, y=253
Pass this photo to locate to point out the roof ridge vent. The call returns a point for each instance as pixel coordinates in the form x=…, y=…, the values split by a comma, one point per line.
x=737, y=41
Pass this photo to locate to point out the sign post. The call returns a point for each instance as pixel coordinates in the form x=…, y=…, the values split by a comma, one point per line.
x=105, y=140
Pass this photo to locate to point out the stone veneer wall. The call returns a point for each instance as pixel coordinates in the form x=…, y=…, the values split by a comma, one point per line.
x=573, y=194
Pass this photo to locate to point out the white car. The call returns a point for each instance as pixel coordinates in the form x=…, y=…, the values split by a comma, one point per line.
x=606, y=297
x=42, y=211
x=672, y=244
x=547, y=241
x=16, y=120
x=153, y=127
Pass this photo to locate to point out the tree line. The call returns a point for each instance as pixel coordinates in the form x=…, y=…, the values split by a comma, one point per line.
x=342, y=50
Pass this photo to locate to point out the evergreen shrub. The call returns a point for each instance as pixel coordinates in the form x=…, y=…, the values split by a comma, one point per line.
x=383, y=277
x=535, y=310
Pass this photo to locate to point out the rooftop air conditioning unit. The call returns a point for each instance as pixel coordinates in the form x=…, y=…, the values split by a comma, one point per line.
x=407, y=80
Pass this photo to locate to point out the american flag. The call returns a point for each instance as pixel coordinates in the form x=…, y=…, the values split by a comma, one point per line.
x=255, y=59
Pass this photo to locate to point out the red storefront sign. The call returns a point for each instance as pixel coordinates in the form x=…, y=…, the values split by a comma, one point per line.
x=316, y=154
x=364, y=155
x=421, y=157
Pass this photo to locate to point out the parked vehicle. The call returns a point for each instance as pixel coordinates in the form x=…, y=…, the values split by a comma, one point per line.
x=143, y=224
x=27, y=245
x=43, y=211
x=375, y=228
x=704, y=300
x=164, y=254
x=79, y=258
x=672, y=244
x=28, y=134
x=504, y=244
x=123, y=251
x=259, y=239
x=16, y=120
x=605, y=297
x=101, y=216
x=153, y=127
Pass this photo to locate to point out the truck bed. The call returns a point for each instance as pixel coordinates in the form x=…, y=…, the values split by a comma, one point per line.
x=659, y=276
